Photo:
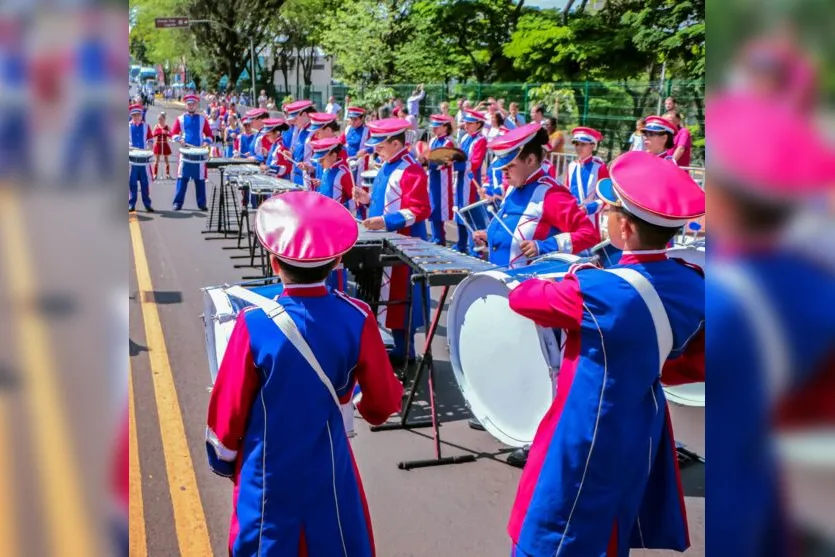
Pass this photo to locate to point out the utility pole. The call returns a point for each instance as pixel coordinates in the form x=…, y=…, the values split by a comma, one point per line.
x=661, y=87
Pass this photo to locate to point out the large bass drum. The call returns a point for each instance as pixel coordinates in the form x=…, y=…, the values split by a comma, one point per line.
x=505, y=364
x=220, y=310
x=692, y=394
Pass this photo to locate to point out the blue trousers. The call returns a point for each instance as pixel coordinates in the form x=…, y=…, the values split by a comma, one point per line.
x=140, y=175
x=190, y=170
x=438, y=232
x=399, y=336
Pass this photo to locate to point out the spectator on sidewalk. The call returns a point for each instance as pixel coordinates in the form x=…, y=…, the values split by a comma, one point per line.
x=514, y=118
x=262, y=99
x=636, y=140
x=333, y=107
x=682, y=142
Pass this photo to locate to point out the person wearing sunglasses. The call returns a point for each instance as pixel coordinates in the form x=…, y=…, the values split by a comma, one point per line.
x=659, y=135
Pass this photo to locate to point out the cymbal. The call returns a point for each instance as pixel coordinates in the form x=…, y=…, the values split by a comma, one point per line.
x=443, y=155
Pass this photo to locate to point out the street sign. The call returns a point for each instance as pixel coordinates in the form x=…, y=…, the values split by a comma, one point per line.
x=169, y=22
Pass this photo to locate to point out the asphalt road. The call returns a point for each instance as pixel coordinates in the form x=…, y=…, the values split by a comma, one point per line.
x=180, y=507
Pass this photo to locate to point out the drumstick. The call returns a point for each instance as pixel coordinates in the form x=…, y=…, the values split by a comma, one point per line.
x=601, y=245
x=472, y=206
x=492, y=211
x=470, y=228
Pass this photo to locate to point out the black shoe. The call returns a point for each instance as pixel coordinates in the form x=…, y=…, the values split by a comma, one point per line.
x=131, y=209
x=149, y=210
x=475, y=424
x=519, y=457
x=203, y=208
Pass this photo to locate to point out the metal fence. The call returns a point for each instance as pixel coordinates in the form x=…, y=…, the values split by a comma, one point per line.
x=611, y=106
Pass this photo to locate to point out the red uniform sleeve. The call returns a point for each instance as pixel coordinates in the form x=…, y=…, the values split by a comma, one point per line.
x=549, y=303
x=207, y=129
x=560, y=210
x=235, y=388
x=148, y=134
x=414, y=201
x=175, y=129
x=689, y=367
x=477, y=159
x=347, y=183
x=382, y=392
x=602, y=172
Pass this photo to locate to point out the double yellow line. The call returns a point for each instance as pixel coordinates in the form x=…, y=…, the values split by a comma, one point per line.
x=68, y=525
x=189, y=518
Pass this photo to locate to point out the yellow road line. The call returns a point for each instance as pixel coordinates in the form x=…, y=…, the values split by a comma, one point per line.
x=8, y=520
x=189, y=518
x=68, y=521
x=136, y=513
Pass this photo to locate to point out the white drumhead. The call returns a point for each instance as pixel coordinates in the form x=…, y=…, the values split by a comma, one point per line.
x=141, y=153
x=501, y=360
x=218, y=322
x=692, y=394
x=197, y=151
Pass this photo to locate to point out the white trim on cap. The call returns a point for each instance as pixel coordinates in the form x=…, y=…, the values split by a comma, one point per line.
x=585, y=138
x=505, y=150
x=306, y=264
x=651, y=218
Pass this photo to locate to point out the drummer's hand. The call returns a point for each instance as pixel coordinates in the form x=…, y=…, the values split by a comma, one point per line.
x=182, y=141
x=263, y=167
x=480, y=237
x=314, y=183
x=361, y=196
x=374, y=223
x=421, y=159
x=498, y=197
x=529, y=248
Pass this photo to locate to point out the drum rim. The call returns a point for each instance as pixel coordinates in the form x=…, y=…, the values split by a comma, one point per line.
x=478, y=409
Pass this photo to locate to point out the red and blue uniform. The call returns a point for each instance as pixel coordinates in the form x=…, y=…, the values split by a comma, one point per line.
x=399, y=195
x=338, y=184
x=354, y=140
x=542, y=211
x=274, y=429
x=602, y=474
x=275, y=424
x=772, y=330
x=441, y=180
x=195, y=130
x=140, y=172
x=467, y=186
x=245, y=148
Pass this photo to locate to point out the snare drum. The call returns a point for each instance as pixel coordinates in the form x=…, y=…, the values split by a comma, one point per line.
x=505, y=364
x=140, y=157
x=368, y=177
x=220, y=310
x=194, y=154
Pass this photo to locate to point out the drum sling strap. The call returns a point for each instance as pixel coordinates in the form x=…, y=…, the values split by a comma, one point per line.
x=285, y=323
x=660, y=320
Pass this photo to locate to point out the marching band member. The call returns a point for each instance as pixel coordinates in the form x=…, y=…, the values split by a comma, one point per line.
x=193, y=129
x=772, y=329
x=287, y=136
x=550, y=168
x=276, y=163
x=231, y=135
x=441, y=178
x=298, y=115
x=256, y=117
x=543, y=218
x=245, y=140
x=336, y=181
x=323, y=125
x=659, y=134
x=275, y=424
x=602, y=474
x=162, y=132
x=582, y=175
x=399, y=201
x=468, y=184
x=140, y=138
x=496, y=182
x=354, y=139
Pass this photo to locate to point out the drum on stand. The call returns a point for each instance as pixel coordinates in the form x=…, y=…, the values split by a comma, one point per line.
x=367, y=178
x=220, y=311
x=140, y=157
x=505, y=364
x=194, y=154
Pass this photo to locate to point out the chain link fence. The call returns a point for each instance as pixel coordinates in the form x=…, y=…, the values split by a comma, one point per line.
x=609, y=106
